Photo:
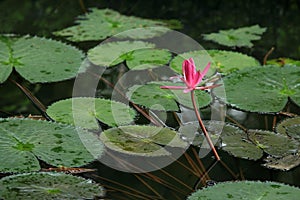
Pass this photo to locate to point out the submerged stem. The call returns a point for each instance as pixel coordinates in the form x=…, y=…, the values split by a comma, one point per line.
x=203, y=127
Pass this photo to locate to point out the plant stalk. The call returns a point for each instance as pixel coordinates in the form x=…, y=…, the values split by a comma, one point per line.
x=203, y=127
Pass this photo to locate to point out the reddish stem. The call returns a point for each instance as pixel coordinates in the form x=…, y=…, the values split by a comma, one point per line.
x=203, y=127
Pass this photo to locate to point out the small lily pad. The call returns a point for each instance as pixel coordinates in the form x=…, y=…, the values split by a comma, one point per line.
x=45, y=185
x=155, y=98
x=273, y=144
x=247, y=190
x=99, y=24
x=290, y=127
x=113, y=53
x=223, y=62
x=142, y=140
x=24, y=141
x=283, y=61
x=240, y=37
x=85, y=111
x=148, y=59
x=38, y=60
x=261, y=89
x=285, y=163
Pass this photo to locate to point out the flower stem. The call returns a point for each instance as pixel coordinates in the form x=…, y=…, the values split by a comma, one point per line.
x=203, y=127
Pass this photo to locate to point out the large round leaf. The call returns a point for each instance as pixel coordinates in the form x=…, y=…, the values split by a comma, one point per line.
x=38, y=59
x=84, y=112
x=113, y=53
x=142, y=140
x=247, y=190
x=261, y=89
x=221, y=61
x=24, y=141
x=47, y=186
x=102, y=23
x=155, y=98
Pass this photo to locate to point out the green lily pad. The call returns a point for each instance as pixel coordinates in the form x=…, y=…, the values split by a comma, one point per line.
x=261, y=89
x=283, y=61
x=155, y=98
x=247, y=190
x=113, y=53
x=290, y=127
x=142, y=140
x=38, y=59
x=285, y=163
x=36, y=186
x=223, y=62
x=240, y=37
x=84, y=112
x=148, y=59
x=24, y=141
x=273, y=144
x=99, y=24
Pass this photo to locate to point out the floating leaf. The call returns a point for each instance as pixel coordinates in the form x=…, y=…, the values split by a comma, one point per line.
x=285, y=163
x=22, y=141
x=85, y=112
x=38, y=59
x=261, y=89
x=113, y=53
x=102, y=23
x=221, y=61
x=290, y=127
x=48, y=186
x=142, y=140
x=247, y=190
x=240, y=37
x=283, y=61
x=155, y=98
x=273, y=144
x=148, y=59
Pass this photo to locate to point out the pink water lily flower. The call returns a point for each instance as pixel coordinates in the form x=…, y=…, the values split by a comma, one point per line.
x=191, y=77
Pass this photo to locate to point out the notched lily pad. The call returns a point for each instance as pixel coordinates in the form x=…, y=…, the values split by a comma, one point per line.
x=155, y=98
x=247, y=190
x=99, y=24
x=46, y=185
x=85, y=111
x=24, y=141
x=142, y=140
x=113, y=53
x=290, y=127
x=240, y=37
x=273, y=144
x=223, y=62
x=38, y=60
x=261, y=89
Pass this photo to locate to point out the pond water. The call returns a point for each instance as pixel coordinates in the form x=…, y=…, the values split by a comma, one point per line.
x=41, y=18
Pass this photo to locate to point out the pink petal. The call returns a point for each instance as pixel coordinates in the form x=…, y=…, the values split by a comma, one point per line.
x=187, y=90
x=204, y=72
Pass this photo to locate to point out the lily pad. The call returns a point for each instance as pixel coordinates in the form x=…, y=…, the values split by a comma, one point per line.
x=99, y=24
x=85, y=111
x=240, y=37
x=223, y=62
x=283, y=61
x=148, y=59
x=155, y=98
x=142, y=140
x=290, y=127
x=24, y=141
x=38, y=59
x=285, y=163
x=35, y=186
x=247, y=190
x=261, y=89
x=273, y=144
x=113, y=53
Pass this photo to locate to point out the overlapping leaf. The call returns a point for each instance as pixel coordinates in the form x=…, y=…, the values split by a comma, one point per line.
x=24, y=141
x=36, y=186
x=240, y=37
x=261, y=89
x=38, y=59
x=85, y=112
